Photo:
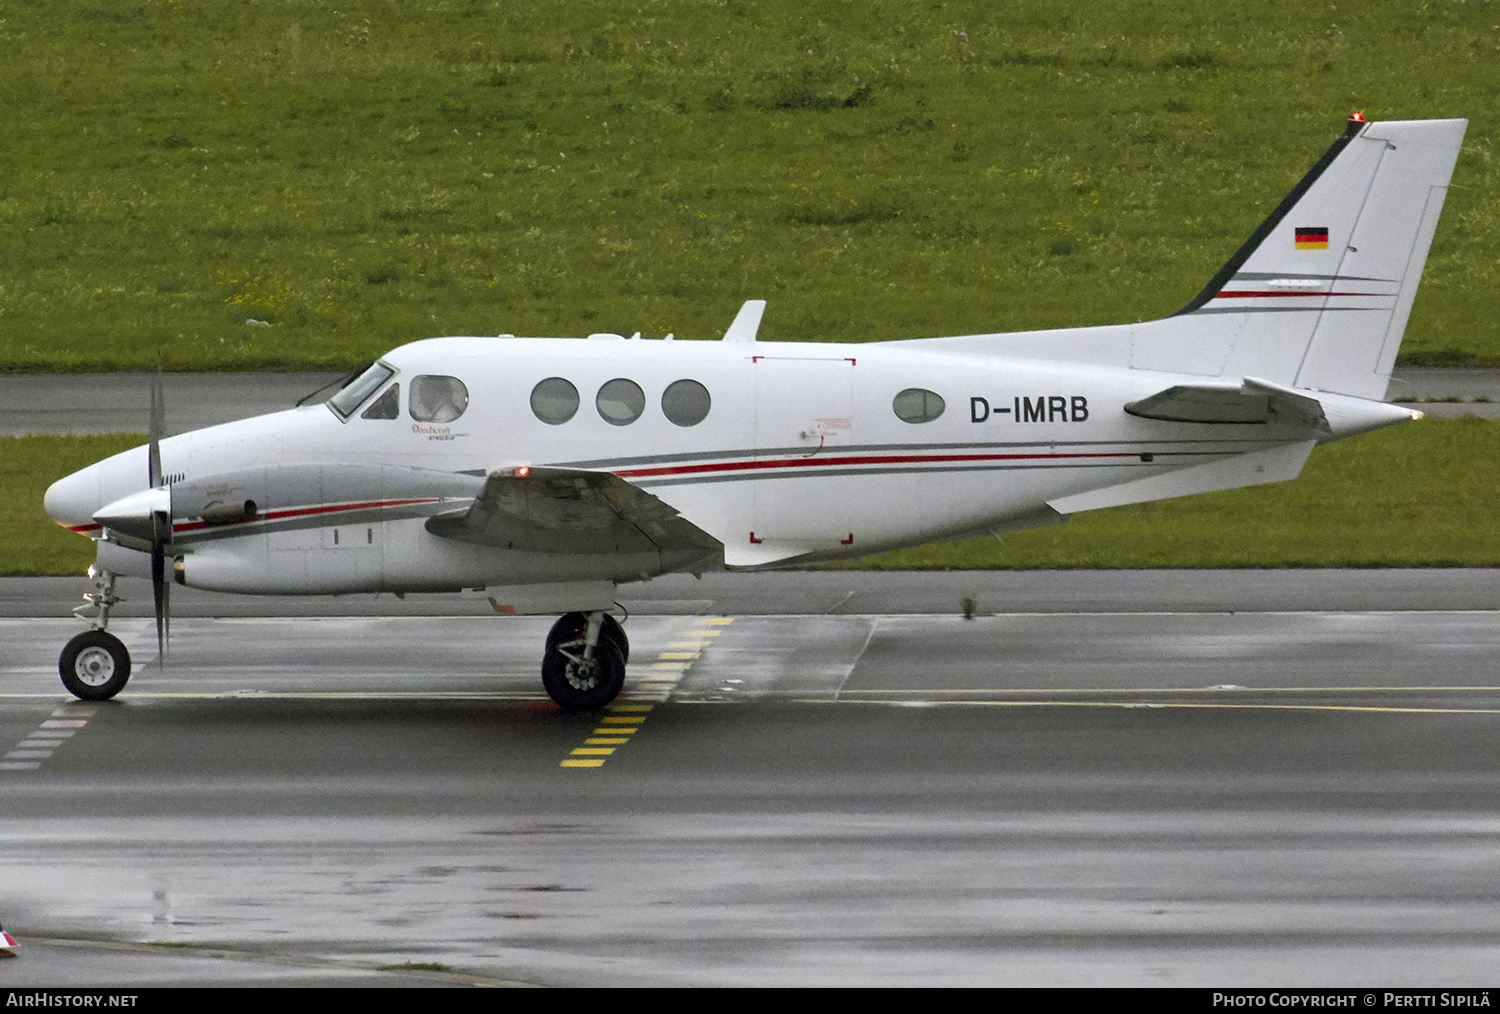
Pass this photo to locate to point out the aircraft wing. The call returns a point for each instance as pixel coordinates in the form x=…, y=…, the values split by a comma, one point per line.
x=572, y=511
x=1251, y=401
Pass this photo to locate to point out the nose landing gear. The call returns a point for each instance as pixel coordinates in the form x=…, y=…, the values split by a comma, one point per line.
x=95, y=665
x=583, y=668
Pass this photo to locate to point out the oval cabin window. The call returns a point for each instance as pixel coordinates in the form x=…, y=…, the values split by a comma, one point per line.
x=437, y=399
x=554, y=401
x=621, y=402
x=915, y=405
x=685, y=402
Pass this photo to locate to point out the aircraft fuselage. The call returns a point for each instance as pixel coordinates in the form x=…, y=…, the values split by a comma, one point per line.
x=800, y=456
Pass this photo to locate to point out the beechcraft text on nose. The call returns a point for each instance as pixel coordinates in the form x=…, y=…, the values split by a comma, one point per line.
x=1048, y=408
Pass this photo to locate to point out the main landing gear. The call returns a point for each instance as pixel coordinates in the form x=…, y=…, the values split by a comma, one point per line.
x=584, y=666
x=95, y=665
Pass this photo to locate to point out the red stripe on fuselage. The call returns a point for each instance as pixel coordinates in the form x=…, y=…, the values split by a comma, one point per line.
x=303, y=512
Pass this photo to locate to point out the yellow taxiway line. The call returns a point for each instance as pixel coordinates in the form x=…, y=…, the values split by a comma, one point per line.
x=629, y=712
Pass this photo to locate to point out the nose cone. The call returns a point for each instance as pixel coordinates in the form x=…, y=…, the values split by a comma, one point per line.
x=72, y=500
x=133, y=514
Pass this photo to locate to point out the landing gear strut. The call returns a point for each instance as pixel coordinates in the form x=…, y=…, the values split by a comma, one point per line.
x=584, y=666
x=95, y=665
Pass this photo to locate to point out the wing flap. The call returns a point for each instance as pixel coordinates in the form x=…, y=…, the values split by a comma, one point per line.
x=574, y=512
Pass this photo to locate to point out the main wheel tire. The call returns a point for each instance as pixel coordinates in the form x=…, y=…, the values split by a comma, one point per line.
x=579, y=685
x=94, y=665
x=574, y=626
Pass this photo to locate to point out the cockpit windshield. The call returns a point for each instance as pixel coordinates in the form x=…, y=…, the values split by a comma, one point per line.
x=353, y=394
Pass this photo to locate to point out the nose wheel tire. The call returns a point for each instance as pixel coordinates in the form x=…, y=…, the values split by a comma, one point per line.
x=94, y=665
x=580, y=684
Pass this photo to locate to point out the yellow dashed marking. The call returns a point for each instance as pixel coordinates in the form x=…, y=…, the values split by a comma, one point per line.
x=655, y=685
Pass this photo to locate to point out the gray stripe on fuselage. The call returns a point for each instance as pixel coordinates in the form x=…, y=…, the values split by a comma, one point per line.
x=802, y=452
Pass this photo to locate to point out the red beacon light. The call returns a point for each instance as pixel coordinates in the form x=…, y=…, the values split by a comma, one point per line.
x=1356, y=117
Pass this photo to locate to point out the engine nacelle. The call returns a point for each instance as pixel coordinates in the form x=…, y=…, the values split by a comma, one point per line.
x=116, y=559
x=394, y=556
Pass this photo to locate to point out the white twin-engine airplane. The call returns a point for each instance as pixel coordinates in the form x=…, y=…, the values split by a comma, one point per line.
x=547, y=471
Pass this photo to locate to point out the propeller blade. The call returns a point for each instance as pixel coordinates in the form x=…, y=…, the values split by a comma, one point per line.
x=161, y=531
x=158, y=423
x=161, y=522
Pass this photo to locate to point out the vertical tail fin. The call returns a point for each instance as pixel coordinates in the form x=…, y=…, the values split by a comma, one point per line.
x=1319, y=296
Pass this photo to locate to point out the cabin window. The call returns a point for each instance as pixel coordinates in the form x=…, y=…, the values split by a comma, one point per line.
x=359, y=388
x=387, y=406
x=554, y=401
x=914, y=405
x=437, y=399
x=685, y=402
x=621, y=402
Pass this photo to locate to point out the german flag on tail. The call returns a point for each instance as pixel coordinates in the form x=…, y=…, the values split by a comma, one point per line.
x=1312, y=238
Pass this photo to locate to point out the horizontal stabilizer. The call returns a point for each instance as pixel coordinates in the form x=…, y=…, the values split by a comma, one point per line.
x=1252, y=401
x=575, y=512
x=1318, y=414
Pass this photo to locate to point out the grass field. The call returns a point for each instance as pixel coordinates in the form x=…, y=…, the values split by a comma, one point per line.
x=351, y=175
x=1411, y=496
x=29, y=542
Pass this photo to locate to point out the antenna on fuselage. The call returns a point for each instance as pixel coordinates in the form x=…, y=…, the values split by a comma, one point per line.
x=747, y=322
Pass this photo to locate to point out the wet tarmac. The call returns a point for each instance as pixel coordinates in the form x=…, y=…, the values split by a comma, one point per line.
x=1110, y=787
